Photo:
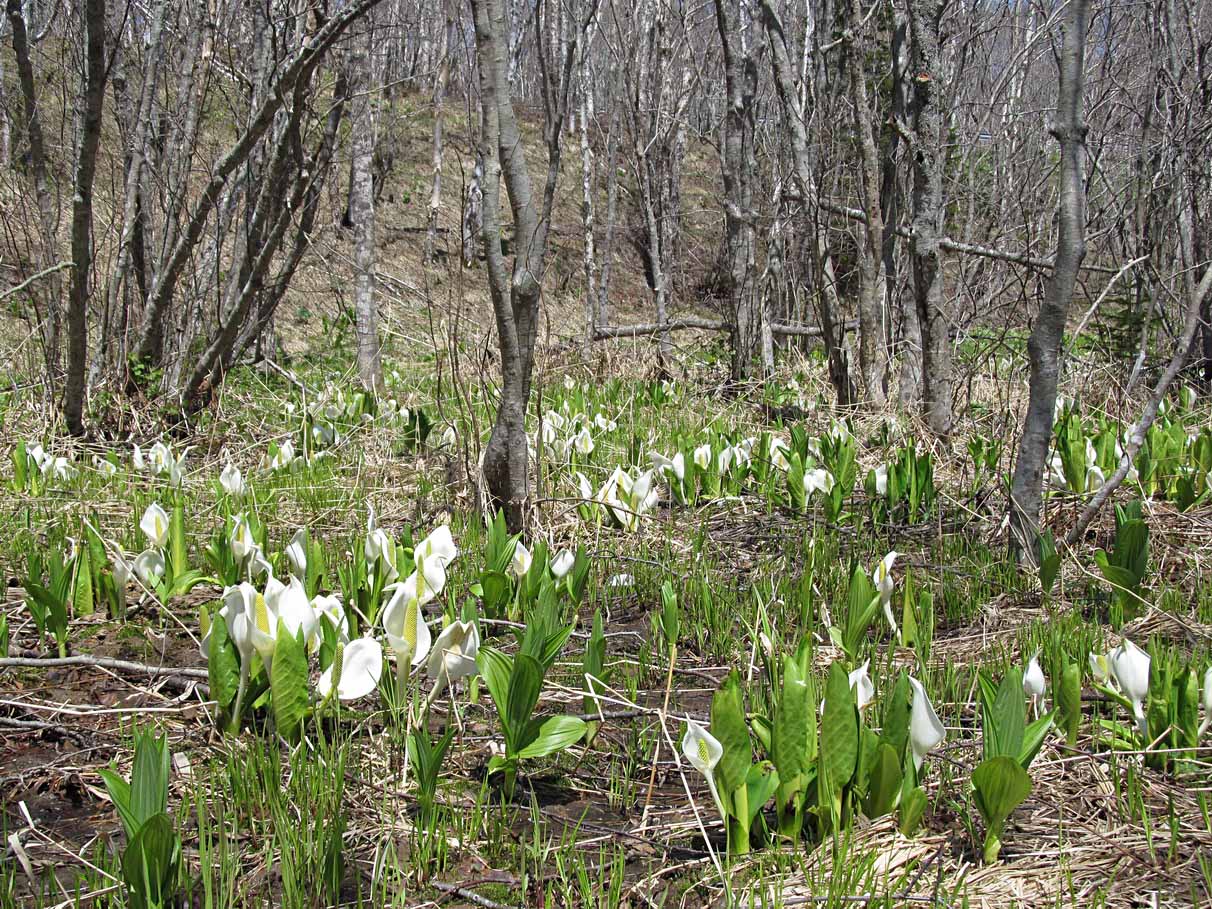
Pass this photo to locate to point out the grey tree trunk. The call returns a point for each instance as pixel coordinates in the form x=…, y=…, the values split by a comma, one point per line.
x=32, y=128
x=362, y=213
x=92, y=99
x=298, y=71
x=792, y=104
x=441, y=77
x=873, y=359
x=515, y=292
x=752, y=343
x=928, y=216
x=1044, y=345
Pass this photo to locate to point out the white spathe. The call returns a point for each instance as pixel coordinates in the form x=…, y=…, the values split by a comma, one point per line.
x=926, y=731
x=407, y=634
x=154, y=525
x=454, y=652
x=361, y=668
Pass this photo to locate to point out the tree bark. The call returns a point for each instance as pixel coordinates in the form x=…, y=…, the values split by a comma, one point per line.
x=928, y=216
x=38, y=174
x=795, y=117
x=752, y=347
x=441, y=77
x=873, y=358
x=93, y=97
x=515, y=296
x=362, y=213
x=1044, y=345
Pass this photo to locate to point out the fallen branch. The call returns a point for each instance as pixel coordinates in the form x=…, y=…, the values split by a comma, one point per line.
x=1136, y=438
x=694, y=322
x=102, y=663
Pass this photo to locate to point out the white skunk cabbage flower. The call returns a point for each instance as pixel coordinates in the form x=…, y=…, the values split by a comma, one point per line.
x=361, y=666
x=454, y=652
x=154, y=525
x=817, y=480
x=881, y=576
x=562, y=563
x=1035, y=684
x=232, y=481
x=926, y=731
x=862, y=686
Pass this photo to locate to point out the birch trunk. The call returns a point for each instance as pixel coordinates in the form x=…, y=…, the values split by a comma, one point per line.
x=362, y=213
x=752, y=348
x=928, y=215
x=1044, y=345
x=873, y=361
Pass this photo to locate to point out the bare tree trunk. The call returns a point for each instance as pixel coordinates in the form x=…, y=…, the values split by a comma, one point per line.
x=38, y=175
x=441, y=77
x=515, y=296
x=473, y=214
x=928, y=216
x=92, y=98
x=909, y=348
x=362, y=213
x=1044, y=345
x=873, y=360
x=752, y=349
x=794, y=115
x=602, y=311
x=299, y=70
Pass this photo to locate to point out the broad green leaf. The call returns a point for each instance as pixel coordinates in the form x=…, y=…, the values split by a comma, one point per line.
x=895, y=727
x=1001, y=786
x=119, y=794
x=789, y=737
x=760, y=783
x=1069, y=701
x=288, y=684
x=149, y=777
x=728, y=726
x=883, y=782
x=525, y=685
x=1033, y=738
x=178, y=560
x=839, y=728
x=1049, y=561
x=913, y=806
x=555, y=733
x=82, y=598
x=496, y=668
x=150, y=863
x=223, y=664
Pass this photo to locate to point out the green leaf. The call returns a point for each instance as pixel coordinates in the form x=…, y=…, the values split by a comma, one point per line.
x=1001, y=786
x=728, y=726
x=496, y=668
x=150, y=863
x=555, y=733
x=177, y=556
x=119, y=794
x=1033, y=738
x=789, y=737
x=82, y=597
x=288, y=684
x=839, y=727
x=149, y=778
x=1069, y=701
x=222, y=665
x=760, y=783
x=1003, y=714
x=525, y=685
x=894, y=730
x=883, y=782
x=913, y=807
